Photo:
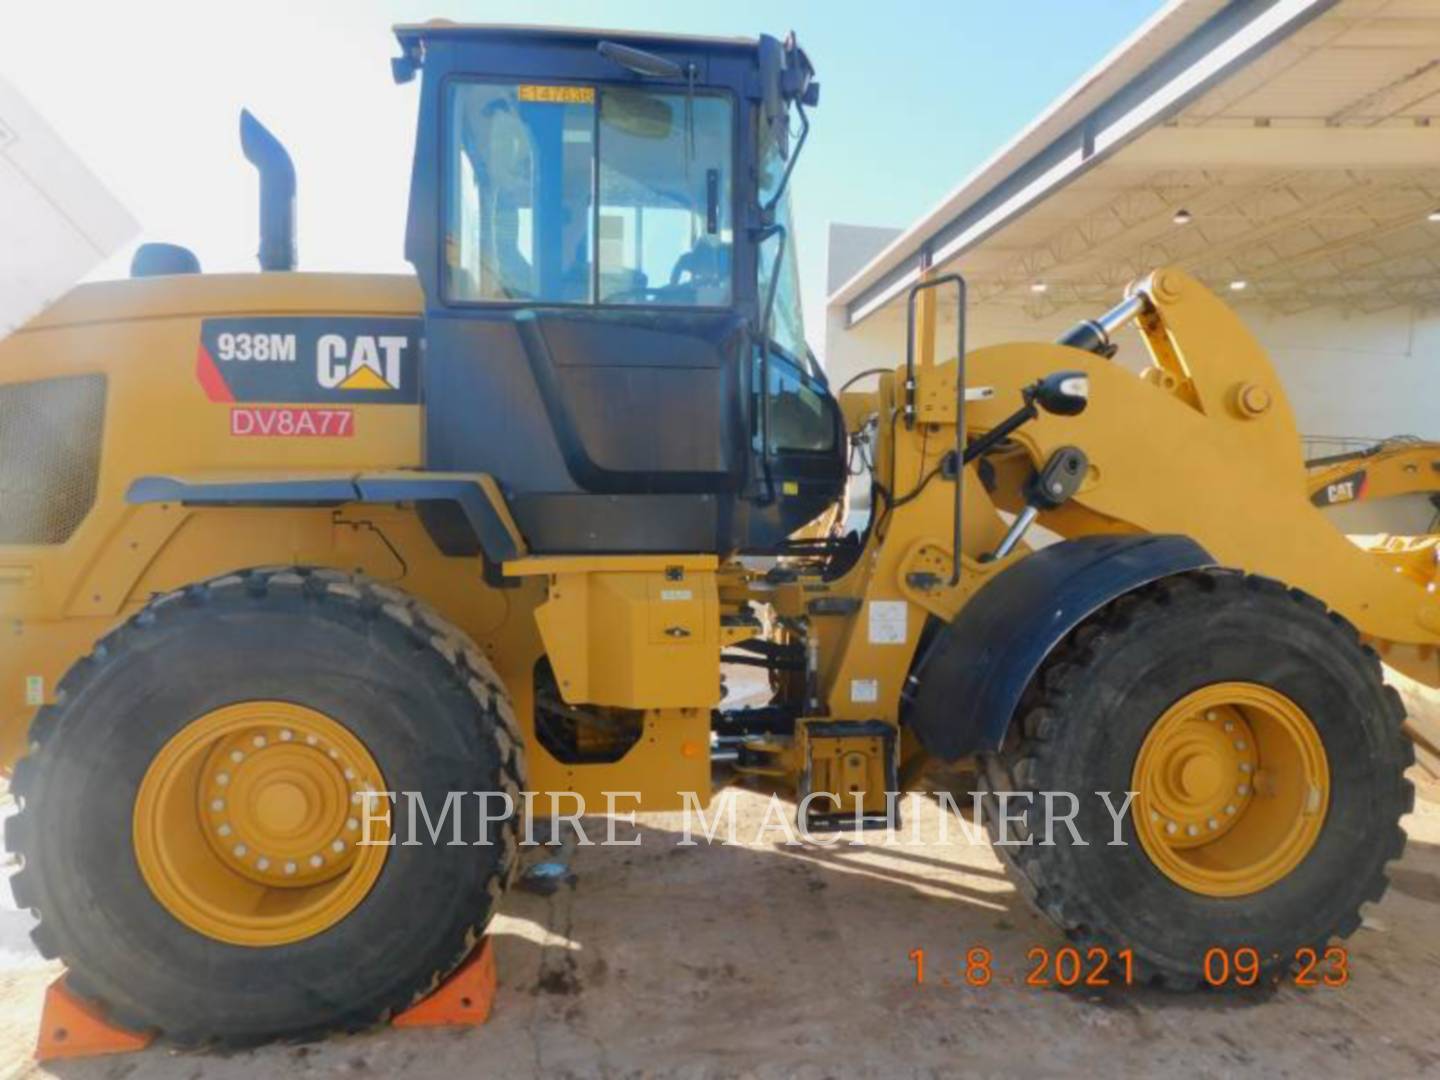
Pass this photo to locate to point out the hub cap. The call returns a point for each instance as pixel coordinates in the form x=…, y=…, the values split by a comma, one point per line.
x=1232, y=787
x=247, y=823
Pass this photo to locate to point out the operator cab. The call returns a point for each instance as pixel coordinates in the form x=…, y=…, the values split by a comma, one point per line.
x=601, y=227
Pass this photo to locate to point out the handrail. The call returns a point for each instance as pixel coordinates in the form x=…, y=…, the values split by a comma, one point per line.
x=960, y=293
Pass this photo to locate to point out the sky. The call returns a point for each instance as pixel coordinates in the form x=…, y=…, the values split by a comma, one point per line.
x=914, y=95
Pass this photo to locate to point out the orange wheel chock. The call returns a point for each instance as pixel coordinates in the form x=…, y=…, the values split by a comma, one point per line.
x=462, y=999
x=71, y=1028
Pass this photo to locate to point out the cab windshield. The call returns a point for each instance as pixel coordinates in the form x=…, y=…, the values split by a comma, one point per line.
x=585, y=195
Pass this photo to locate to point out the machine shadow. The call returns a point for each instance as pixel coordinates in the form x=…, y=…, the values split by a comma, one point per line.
x=776, y=914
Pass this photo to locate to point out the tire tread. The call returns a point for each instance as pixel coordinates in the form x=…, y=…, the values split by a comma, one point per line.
x=426, y=630
x=1030, y=744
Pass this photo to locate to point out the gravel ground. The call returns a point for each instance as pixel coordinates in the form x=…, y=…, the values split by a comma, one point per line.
x=763, y=959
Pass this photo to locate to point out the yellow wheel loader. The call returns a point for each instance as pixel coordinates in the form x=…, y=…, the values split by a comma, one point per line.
x=1389, y=469
x=275, y=549
x=1393, y=472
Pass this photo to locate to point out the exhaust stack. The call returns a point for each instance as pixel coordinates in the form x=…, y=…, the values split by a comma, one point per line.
x=277, y=192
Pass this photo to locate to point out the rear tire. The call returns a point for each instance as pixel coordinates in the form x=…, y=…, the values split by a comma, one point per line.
x=425, y=704
x=1089, y=712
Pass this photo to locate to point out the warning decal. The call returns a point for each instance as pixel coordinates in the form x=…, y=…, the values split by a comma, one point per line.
x=887, y=622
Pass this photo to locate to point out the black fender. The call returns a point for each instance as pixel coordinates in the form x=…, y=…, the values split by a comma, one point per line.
x=465, y=515
x=967, y=681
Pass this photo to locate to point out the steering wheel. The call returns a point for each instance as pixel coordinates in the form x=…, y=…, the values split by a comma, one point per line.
x=707, y=263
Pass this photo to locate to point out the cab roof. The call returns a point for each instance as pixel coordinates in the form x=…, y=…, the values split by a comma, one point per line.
x=438, y=28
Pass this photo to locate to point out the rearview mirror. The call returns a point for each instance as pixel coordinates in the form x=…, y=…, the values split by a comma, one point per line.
x=774, y=109
x=637, y=113
x=639, y=61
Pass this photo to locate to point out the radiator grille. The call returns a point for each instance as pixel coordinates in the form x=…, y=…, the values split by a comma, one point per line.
x=50, y=434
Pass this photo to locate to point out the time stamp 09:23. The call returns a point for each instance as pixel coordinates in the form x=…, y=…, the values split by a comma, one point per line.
x=1072, y=967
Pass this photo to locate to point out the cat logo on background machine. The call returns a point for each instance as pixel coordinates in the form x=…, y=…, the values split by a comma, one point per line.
x=1342, y=490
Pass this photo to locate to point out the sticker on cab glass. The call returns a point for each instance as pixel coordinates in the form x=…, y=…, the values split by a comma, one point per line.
x=557, y=95
x=310, y=360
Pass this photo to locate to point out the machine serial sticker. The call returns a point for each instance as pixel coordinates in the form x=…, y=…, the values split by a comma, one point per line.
x=34, y=690
x=280, y=422
x=310, y=360
x=887, y=622
x=863, y=691
x=557, y=95
x=676, y=594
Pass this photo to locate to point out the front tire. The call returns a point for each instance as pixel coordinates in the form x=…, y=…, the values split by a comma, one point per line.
x=183, y=811
x=1167, y=692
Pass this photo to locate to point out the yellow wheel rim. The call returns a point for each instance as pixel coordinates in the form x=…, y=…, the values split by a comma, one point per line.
x=1231, y=788
x=248, y=821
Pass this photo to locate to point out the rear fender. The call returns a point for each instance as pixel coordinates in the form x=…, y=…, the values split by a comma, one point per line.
x=464, y=513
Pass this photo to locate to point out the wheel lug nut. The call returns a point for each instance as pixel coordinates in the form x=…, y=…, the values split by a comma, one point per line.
x=258, y=741
x=317, y=860
x=337, y=846
x=289, y=868
x=1171, y=828
x=237, y=756
x=1230, y=809
x=1192, y=830
x=349, y=774
x=310, y=740
x=223, y=830
x=1239, y=744
x=239, y=850
x=352, y=824
x=1213, y=823
x=262, y=863
x=286, y=735
x=1246, y=767
x=1242, y=789
x=1211, y=715
x=217, y=805
x=222, y=778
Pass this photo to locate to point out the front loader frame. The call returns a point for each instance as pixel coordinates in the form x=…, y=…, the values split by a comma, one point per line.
x=1201, y=445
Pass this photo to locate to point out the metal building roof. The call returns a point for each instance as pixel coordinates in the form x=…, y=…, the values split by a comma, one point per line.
x=1300, y=138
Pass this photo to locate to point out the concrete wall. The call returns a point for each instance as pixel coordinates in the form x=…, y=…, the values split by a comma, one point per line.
x=1348, y=376
x=851, y=247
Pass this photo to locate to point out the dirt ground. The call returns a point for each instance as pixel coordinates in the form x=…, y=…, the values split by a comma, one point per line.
x=763, y=959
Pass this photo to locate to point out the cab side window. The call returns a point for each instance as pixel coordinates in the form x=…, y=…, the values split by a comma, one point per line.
x=800, y=417
x=578, y=195
x=665, y=230
x=520, y=224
